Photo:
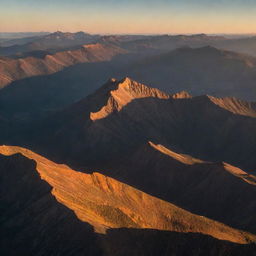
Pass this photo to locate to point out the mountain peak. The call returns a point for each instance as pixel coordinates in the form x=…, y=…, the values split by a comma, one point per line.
x=123, y=92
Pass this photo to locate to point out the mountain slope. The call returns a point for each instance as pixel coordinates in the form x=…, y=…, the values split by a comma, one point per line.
x=34, y=223
x=106, y=203
x=210, y=189
x=15, y=69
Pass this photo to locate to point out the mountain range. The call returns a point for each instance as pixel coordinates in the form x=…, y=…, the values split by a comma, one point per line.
x=15, y=69
x=56, y=40
x=199, y=71
x=195, y=67
x=122, y=109
x=116, y=145
x=121, y=140
x=130, y=131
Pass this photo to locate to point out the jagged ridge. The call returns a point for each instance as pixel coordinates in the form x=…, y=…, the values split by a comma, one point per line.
x=126, y=90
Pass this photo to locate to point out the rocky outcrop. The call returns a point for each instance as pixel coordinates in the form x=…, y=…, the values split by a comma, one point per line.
x=124, y=92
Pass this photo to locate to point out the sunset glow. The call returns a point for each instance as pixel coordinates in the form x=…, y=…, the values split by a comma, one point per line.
x=123, y=16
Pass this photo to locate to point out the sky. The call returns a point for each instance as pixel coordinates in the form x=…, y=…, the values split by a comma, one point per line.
x=129, y=16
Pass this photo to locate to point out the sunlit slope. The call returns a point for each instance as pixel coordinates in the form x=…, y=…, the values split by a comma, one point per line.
x=15, y=69
x=107, y=203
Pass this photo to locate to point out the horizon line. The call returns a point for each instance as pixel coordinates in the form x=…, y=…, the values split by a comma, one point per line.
x=141, y=33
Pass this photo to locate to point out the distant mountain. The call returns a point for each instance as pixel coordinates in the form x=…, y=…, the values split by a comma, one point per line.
x=51, y=44
x=18, y=35
x=9, y=39
x=165, y=43
x=200, y=71
x=15, y=69
x=205, y=70
x=51, y=203
x=171, y=42
x=60, y=40
x=242, y=45
x=10, y=43
x=56, y=40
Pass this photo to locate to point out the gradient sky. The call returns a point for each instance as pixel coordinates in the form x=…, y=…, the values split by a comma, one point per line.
x=129, y=16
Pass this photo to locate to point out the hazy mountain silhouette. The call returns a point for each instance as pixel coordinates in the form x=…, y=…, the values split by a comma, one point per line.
x=243, y=45
x=56, y=40
x=204, y=70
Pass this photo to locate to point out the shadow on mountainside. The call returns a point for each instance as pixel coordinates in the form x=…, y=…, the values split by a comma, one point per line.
x=34, y=223
x=148, y=242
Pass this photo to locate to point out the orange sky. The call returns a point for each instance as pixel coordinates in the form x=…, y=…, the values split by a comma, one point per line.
x=111, y=16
